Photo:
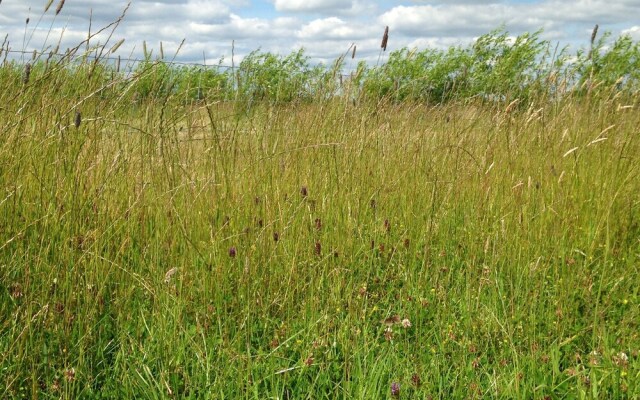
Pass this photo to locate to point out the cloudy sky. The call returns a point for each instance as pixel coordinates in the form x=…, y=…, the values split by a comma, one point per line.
x=324, y=28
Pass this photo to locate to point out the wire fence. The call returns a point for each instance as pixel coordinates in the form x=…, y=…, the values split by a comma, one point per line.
x=128, y=62
x=195, y=79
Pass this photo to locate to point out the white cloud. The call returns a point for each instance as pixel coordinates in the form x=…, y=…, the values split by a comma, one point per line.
x=312, y=5
x=634, y=32
x=327, y=7
x=459, y=20
x=334, y=28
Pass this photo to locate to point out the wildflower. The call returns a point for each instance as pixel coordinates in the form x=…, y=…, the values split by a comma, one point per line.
x=304, y=192
x=70, y=374
x=415, y=379
x=406, y=323
x=232, y=252
x=395, y=389
x=621, y=359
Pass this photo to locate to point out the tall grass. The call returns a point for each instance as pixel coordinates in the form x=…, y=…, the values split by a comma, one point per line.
x=153, y=247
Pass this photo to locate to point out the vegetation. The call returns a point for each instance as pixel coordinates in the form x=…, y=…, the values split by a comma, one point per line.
x=451, y=224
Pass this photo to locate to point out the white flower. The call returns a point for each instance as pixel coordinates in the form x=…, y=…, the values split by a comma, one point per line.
x=406, y=323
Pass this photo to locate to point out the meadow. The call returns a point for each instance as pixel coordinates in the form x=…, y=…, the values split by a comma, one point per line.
x=448, y=224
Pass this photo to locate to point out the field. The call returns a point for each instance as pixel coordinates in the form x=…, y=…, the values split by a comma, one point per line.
x=158, y=245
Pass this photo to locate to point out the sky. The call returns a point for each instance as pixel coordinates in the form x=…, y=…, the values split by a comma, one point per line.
x=215, y=30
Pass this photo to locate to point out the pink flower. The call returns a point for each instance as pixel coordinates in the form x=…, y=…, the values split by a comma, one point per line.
x=395, y=389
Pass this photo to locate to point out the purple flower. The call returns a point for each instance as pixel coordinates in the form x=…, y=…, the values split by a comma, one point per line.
x=232, y=252
x=395, y=389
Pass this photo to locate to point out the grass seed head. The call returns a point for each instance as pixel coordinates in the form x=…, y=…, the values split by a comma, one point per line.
x=27, y=73
x=385, y=39
x=116, y=46
x=594, y=33
x=59, y=8
x=169, y=274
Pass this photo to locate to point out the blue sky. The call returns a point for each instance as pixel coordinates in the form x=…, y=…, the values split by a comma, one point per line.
x=324, y=28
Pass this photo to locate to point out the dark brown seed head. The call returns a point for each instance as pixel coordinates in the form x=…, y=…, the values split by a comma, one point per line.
x=276, y=236
x=318, y=224
x=387, y=225
x=318, y=248
x=385, y=39
x=304, y=192
x=78, y=119
x=232, y=252
x=353, y=53
x=594, y=34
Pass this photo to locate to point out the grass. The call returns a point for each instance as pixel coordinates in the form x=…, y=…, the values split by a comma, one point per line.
x=157, y=248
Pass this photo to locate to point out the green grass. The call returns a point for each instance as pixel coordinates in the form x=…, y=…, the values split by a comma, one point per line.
x=515, y=259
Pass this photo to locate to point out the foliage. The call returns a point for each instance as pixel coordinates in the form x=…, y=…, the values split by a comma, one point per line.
x=266, y=76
